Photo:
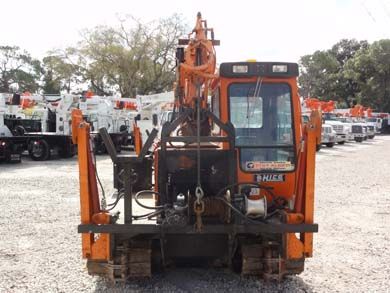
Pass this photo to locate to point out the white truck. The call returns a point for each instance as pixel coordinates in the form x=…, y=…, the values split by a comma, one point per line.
x=101, y=111
x=39, y=130
x=159, y=105
x=376, y=122
x=359, y=131
x=340, y=130
x=371, y=130
x=328, y=135
x=343, y=129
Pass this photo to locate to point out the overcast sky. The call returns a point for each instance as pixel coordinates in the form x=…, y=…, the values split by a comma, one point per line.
x=262, y=30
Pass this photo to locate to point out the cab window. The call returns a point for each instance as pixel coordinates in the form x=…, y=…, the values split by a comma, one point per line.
x=262, y=116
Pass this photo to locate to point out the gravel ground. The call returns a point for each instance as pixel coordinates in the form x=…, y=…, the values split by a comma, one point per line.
x=40, y=250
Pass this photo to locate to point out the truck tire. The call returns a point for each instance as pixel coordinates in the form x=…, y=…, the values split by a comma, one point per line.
x=318, y=147
x=39, y=150
x=67, y=151
x=330, y=145
x=341, y=142
x=19, y=130
x=371, y=136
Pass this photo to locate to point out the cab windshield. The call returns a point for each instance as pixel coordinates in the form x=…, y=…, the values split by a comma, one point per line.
x=329, y=116
x=262, y=116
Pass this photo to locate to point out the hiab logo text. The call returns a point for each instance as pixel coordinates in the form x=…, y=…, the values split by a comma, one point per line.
x=270, y=178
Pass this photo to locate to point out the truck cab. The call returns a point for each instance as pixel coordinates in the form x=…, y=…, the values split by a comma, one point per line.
x=328, y=135
x=376, y=122
x=339, y=127
x=371, y=130
x=348, y=122
x=359, y=132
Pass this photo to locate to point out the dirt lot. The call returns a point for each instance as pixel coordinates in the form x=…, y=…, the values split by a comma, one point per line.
x=40, y=248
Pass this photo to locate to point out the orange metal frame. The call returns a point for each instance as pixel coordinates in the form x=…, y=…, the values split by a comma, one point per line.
x=298, y=186
x=93, y=246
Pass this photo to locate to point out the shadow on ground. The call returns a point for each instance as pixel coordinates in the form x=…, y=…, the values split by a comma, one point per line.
x=203, y=280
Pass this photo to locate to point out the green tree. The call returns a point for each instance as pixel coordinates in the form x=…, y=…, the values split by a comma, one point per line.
x=323, y=75
x=58, y=74
x=346, y=49
x=346, y=88
x=318, y=74
x=18, y=70
x=370, y=69
x=131, y=57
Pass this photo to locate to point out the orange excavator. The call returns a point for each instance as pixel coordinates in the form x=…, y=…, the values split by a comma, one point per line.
x=232, y=176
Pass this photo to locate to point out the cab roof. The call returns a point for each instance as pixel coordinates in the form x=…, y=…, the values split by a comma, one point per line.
x=259, y=69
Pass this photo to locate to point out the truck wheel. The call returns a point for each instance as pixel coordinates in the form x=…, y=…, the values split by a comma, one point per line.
x=19, y=130
x=330, y=145
x=67, y=151
x=318, y=147
x=371, y=136
x=341, y=142
x=39, y=150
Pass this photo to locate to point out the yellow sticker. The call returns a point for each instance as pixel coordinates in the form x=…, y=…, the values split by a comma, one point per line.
x=272, y=165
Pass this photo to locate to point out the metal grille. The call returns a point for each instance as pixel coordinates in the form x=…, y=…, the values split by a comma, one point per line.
x=338, y=128
x=357, y=129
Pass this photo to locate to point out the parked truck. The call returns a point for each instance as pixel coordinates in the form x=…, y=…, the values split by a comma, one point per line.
x=44, y=130
x=109, y=112
x=328, y=135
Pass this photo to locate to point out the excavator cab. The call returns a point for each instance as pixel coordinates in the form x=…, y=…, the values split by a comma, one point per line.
x=259, y=99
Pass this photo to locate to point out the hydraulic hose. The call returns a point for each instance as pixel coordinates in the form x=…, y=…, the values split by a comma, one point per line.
x=144, y=206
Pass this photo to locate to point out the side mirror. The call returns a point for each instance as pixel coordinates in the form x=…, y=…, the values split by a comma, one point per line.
x=154, y=119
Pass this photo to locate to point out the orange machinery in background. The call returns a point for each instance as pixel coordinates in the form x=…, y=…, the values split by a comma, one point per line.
x=360, y=111
x=317, y=107
x=324, y=106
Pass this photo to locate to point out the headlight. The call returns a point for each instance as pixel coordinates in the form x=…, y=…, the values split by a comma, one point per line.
x=280, y=68
x=240, y=68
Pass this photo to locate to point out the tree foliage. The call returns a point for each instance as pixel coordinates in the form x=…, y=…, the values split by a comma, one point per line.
x=18, y=70
x=58, y=75
x=131, y=57
x=350, y=72
x=370, y=69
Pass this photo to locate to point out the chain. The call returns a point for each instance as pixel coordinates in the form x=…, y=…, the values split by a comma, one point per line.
x=198, y=209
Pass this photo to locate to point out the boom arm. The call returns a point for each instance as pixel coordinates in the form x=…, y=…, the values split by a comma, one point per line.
x=90, y=210
x=196, y=65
